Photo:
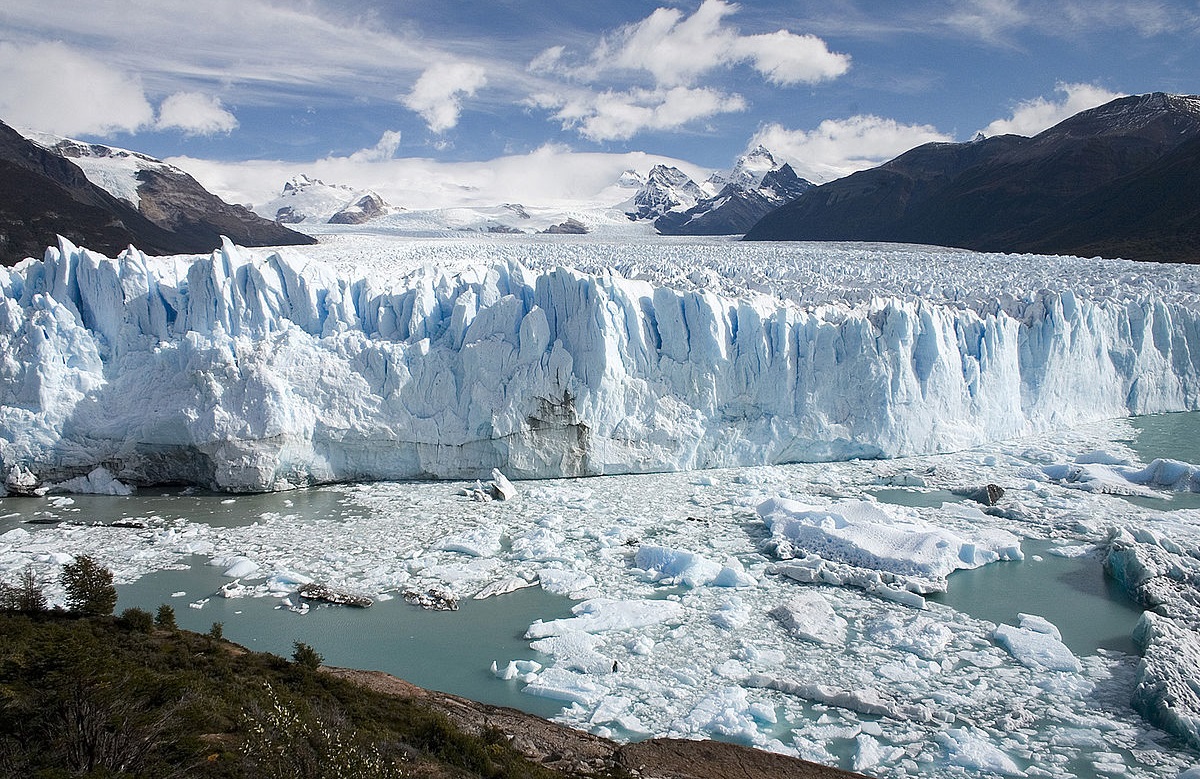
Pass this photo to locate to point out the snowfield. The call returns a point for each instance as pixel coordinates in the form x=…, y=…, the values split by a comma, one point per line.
x=252, y=371
x=772, y=599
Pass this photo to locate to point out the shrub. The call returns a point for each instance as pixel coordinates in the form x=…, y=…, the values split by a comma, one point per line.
x=89, y=587
x=305, y=656
x=165, y=617
x=136, y=619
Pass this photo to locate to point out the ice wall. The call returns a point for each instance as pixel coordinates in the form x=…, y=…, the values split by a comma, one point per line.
x=246, y=373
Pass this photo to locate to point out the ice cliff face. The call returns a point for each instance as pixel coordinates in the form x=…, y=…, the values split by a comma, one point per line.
x=247, y=373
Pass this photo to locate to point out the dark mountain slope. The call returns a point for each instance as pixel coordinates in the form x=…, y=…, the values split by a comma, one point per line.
x=43, y=194
x=1010, y=193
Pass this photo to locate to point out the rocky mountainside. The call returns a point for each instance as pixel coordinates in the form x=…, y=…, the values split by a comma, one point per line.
x=44, y=192
x=666, y=188
x=745, y=198
x=1117, y=180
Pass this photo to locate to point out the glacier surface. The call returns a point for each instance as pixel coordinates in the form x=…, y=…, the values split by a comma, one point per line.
x=245, y=371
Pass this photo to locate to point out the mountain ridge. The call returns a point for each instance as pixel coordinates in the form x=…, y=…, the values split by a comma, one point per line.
x=44, y=193
x=1010, y=193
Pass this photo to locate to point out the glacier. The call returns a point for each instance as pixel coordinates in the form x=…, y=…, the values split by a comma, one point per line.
x=243, y=371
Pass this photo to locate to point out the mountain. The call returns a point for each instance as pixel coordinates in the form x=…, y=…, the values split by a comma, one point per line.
x=308, y=201
x=757, y=185
x=666, y=188
x=1117, y=180
x=110, y=198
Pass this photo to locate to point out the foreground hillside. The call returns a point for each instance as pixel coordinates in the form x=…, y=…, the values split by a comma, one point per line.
x=1119, y=180
x=103, y=697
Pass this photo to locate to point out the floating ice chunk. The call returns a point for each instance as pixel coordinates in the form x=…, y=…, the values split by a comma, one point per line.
x=865, y=701
x=674, y=566
x=18, y=536
x=640, y=645
x=503, y=587
x=477, y=542
x=540, y=544
x=864, y=535
x=1039, y=625
x=517, y=669
x=868, y=752
x=732, y=614
x=566, y=582
x=970, y=749
x=286, y=581
x=724, y=712
x=563, y=685
x=98, y=482
x=502, y=488
x=576, y=651
x=1036, y=650
x=238, y=567
x=924, y=637
x=234, y=589
x=809, y=616
x=604, y=614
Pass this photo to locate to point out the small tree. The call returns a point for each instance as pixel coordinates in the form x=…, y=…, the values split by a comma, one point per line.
x=89, y=587
x=165, y=617
x=217, y=631
x=26, y=596
x=306, y=657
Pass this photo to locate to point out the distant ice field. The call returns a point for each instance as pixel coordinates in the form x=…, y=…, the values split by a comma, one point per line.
x=802, y=272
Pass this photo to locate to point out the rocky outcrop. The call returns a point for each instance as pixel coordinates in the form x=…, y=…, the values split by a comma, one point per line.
x=362, y=210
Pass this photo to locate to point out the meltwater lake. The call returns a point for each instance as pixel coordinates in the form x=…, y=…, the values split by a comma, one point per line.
x=685, y=674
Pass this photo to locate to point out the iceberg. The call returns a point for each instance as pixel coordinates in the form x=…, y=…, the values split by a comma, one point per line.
x=243, y=372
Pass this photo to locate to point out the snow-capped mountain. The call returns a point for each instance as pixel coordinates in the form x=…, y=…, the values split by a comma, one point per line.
x=757, y=184
x=110, y=198
x=666, y=188
x=305, y=200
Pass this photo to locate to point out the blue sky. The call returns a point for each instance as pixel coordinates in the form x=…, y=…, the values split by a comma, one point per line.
x=835, y=84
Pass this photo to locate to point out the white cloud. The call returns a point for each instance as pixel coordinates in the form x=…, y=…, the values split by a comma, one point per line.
x=437, y=95
x=676, y=50
x=550, y=176
x=195, y=114
x=989, y=20
x=54, y=88
x=1030, y=117
x=610, y=115
x=839, y=147
x=385, y=149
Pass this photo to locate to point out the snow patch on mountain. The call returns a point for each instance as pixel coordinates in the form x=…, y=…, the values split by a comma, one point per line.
x=108, y=167
x=305, y=200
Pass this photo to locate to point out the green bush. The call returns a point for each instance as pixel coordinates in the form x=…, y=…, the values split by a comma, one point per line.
x=217, y=631
x=135, y=619
x=89, y=586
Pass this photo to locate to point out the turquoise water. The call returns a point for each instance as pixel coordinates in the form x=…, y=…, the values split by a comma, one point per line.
x=1174, y=436
x=914, y=497
x=451, y=651
x=1089, y=610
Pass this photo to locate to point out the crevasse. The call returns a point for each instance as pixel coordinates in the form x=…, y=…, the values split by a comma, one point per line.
x=248, y=373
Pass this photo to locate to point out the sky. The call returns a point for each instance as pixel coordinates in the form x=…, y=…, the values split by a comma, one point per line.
x=243, y=92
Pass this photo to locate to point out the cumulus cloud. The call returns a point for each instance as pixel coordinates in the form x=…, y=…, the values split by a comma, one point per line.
x=839, y=147
x=1030, y=117
x=612, y=115
x=195, y=114
x=677, y=49
x=437, y=95
x=385, y=149
x=54, y=88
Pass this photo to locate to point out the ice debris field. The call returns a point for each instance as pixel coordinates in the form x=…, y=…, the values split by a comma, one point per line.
x=779, y=605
